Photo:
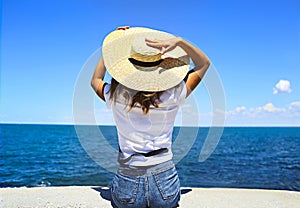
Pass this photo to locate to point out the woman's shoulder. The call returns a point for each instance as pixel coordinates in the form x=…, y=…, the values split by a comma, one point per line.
x=178, y=89
x=176, y=94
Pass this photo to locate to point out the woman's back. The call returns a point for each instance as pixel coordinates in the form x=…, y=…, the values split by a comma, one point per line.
x=141, y=133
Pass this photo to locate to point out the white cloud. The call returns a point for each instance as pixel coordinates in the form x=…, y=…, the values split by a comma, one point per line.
x=269, y=107
x=283, y=86
x=295, y=105
x=294, y=109
x=240, y=109
x=266, y=115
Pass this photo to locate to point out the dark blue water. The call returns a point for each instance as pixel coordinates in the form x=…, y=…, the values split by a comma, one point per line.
x=52, y=155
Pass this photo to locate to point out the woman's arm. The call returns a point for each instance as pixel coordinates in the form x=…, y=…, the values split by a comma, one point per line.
x=99, y=73
x=198, y=57
x=201, y=63
x=97, y=79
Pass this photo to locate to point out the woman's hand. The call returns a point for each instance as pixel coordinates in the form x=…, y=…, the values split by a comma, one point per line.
x=200, y=60
x=163, y=45
x=123, y=28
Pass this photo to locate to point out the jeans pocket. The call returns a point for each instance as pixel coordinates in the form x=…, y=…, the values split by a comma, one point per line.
x=167, y=181
x=125, y=188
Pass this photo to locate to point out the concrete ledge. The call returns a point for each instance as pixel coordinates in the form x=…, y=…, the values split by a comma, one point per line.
x=89, y=197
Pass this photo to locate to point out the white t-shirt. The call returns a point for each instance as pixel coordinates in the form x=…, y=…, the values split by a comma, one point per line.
x=142, y=133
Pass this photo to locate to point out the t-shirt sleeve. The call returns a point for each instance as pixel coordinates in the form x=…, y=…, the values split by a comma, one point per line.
x=106, y=94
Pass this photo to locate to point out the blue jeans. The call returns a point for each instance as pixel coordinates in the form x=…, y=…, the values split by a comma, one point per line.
x=155, y=186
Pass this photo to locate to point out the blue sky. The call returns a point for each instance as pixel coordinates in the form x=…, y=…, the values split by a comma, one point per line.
x=253, y=44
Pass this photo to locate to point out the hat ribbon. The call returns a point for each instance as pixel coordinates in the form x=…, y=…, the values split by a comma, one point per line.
x=145, y=64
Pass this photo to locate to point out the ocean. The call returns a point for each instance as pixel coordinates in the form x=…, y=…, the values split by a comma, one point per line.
x=53, y=155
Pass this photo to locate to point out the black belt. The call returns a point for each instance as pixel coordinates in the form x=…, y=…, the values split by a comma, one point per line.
x=148, y=154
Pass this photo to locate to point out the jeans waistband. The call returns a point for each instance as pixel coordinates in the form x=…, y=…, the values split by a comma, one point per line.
x=130, y=170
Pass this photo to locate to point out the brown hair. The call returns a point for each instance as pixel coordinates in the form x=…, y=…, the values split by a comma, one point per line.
x=134, y=98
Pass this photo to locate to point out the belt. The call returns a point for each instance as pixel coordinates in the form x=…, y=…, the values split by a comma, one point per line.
x=148, y=154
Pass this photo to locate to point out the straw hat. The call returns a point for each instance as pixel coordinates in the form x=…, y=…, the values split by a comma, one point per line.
x=137, y=66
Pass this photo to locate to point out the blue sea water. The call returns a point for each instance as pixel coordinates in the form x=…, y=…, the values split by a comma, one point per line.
x=245, y=157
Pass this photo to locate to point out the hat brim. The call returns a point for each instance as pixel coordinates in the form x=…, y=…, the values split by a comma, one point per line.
x=116, y=53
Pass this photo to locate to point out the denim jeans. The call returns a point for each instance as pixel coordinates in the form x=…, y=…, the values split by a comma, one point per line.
x=156, y=186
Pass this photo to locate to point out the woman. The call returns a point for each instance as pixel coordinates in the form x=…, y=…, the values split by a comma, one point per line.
x=150, y=80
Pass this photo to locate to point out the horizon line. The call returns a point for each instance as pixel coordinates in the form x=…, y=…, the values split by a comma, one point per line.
x=87, y=124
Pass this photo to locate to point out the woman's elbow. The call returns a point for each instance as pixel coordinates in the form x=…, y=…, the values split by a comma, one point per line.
x=207, y=64
x=94, y=84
